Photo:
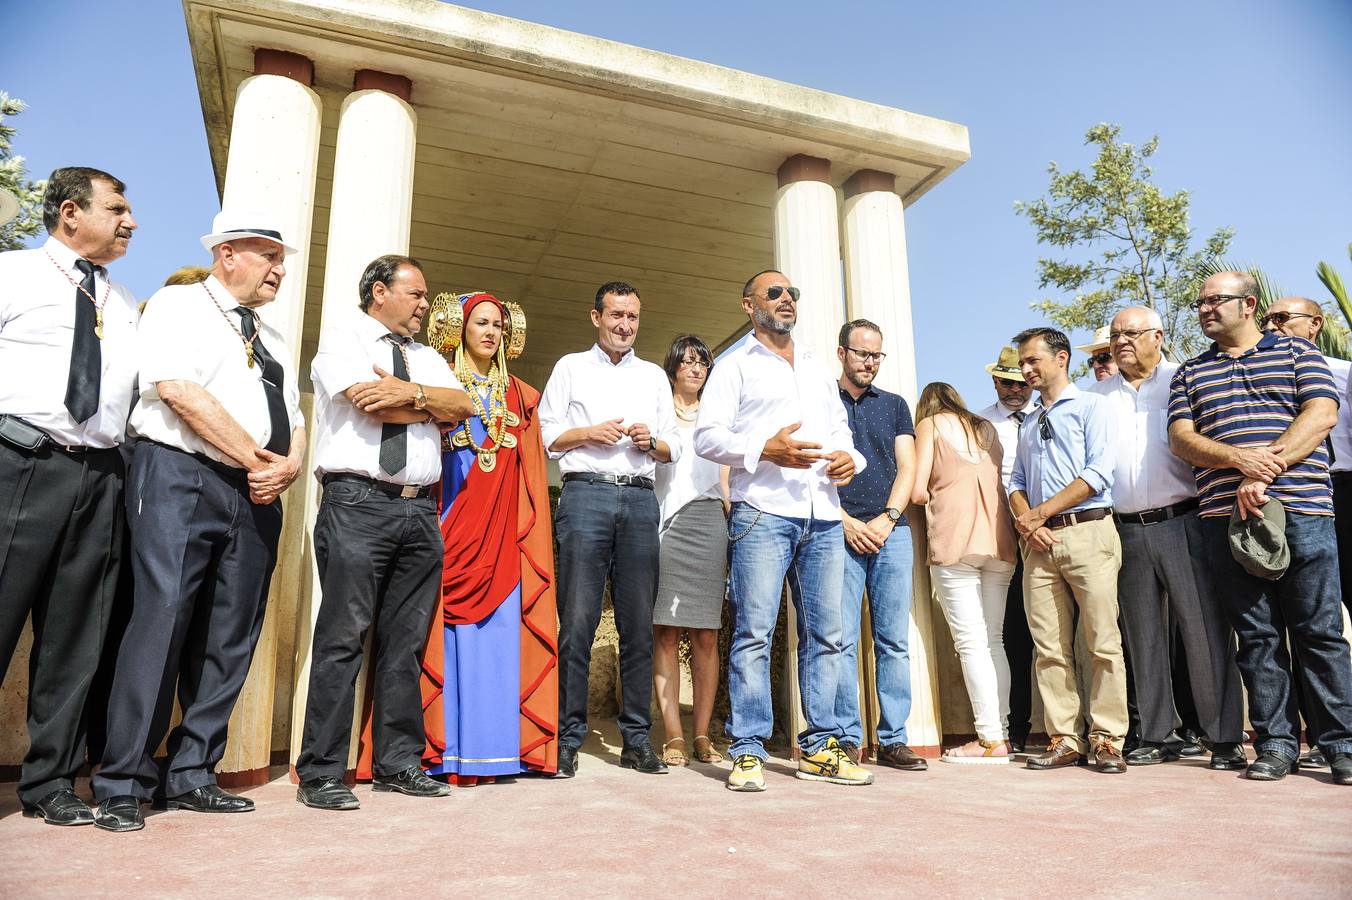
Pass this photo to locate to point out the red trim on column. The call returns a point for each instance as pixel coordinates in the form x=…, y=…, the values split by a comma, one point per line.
x=866, y=180
x=371, y=80
x=284, y=63
x=804, y=168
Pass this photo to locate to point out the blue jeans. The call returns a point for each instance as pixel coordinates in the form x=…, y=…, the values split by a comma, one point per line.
x=766, y=548
x=1306, y=601
x=887, y=575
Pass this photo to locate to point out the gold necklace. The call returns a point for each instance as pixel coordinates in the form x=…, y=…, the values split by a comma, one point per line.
x=687, y=415
x=495, y=415
x=98, y=306
x=248, y=341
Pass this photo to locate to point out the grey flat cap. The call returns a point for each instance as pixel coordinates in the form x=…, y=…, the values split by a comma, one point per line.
x=1259, y=545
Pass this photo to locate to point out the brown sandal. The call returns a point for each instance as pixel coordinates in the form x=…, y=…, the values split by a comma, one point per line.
x=675, y=757
x=706, y=753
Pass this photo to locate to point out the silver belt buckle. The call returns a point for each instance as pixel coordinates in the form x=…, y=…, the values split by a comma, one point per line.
x=409, y=491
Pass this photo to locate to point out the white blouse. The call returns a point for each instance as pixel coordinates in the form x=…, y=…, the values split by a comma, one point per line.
x=691, y=477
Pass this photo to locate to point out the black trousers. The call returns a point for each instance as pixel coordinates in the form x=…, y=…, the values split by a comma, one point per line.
x=379, y=561
x=1342, y=526
x=202, y=559
x=1019, y=650
x=606, y=531
x=60, y=551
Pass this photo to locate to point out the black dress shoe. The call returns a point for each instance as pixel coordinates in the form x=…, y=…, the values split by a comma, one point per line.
x=60, y=807
x=120, y=813
x=1313, y=759
x=1018, y=743
x=1342, y=768
x=326, y=792
x=1151, y=755
x=567, y=762
x=210, y=798
x=1228, y=757
x=1191, y=744
x=414, y=782
x=1270, y=766
x=641, y=758
x=899, y=756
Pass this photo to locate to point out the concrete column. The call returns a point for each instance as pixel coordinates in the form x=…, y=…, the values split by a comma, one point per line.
x=878, y=290
x=274, y=154
x=369, y=215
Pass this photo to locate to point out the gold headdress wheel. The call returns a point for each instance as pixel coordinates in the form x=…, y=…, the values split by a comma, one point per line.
x=516, y=330
x=445, y=323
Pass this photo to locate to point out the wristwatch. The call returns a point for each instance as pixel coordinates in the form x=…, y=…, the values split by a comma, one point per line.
x=420, y=398
x=893, y=514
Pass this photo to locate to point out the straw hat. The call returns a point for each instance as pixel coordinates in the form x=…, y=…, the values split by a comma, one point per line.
x=1007, y=366
x=1101, y=342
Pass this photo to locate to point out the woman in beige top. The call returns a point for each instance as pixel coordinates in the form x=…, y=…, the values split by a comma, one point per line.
x=971, y=556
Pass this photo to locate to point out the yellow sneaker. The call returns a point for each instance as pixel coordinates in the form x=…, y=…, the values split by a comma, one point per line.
x=748, y=774
x=830, y=763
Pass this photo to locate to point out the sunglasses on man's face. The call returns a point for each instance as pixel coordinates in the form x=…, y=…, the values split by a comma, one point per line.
x=1281, y=318
x=778, y=290
x=1011, y=383
x=1101, y=359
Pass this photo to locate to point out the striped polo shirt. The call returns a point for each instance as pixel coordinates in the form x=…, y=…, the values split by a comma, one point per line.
x=1249, y=401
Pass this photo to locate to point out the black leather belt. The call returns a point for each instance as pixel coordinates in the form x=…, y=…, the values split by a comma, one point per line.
x=638, y=481
x=389, y=489
x=27, y=438
x=1076, y=518
x=1155, y=516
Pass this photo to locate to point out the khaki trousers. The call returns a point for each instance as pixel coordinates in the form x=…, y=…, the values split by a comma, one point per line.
x=1080, y=571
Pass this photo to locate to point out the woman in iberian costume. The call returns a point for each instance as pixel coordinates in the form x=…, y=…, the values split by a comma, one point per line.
x=489, y=676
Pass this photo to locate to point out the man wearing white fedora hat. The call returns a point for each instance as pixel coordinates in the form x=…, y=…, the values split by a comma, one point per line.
x=68, y=354
x=1101, y=361
x=221, y=437
x=1014, y=402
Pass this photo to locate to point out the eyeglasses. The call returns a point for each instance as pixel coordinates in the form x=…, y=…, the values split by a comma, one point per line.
x=1011, y=383
x=694, y=363
x=1044, y=427
x=1281, y=318
x=1101, y=359
x=865, y=356
x=1130, y=335
x=1214, y=300
x=776, y=291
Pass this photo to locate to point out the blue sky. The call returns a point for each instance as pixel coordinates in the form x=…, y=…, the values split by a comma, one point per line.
x=1250, y=100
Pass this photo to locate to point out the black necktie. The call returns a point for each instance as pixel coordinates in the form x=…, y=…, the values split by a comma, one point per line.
x=273, y=380
x=1018, y=416
x=394, y=438
x=86, y=358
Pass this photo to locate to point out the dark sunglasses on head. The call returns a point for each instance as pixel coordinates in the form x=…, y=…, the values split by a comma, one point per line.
x=1044, y=427
x=774, y=293
x=1102, y=358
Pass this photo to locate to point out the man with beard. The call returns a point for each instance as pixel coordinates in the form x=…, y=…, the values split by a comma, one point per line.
x=877, y=547
x=68, y=354
x=768, y=411
x=221, y=437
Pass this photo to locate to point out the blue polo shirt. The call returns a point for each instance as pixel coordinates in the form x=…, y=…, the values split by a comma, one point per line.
x=1249, y=401
x=877, y=419
x=1078, y=441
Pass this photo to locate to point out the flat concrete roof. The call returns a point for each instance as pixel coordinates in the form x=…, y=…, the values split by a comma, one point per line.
x=549, y=161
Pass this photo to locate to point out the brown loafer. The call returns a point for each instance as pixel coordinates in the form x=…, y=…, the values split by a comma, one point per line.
x=1059, y=753
x=899, y=756
x=1108, y=758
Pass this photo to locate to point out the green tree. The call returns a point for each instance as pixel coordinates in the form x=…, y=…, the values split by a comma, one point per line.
x=14, y=178
x=1131, y=242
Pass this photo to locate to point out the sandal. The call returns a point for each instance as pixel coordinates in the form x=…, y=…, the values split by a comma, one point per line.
x=706, y=753
x=675, y=757
x=978, y=753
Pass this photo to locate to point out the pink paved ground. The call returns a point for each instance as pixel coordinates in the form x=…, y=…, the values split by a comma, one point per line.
x=1173, y=830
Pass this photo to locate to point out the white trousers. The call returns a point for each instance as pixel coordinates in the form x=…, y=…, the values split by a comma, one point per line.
x=972, y=594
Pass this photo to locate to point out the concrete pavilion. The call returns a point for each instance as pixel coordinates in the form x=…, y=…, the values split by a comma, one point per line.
x=536, y=164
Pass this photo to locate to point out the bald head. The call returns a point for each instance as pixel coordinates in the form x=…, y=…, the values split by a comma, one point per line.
x=1296, y=317
x=1135, y=338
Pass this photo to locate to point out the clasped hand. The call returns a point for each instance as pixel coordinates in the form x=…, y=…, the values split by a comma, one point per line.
x=610, y=432
x=274, y=475
x=386, y=393
x=789, y=453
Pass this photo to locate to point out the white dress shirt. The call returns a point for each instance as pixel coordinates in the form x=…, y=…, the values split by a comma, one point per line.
x=691, y=477
x=37, y=328
x=348, y=440
x=1007, y=429
x=752, y=393
x=1147, y=475
x=587, y=389
x=1341, y=435
x=184, y=336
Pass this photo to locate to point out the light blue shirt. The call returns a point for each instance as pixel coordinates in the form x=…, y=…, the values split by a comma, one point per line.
x=1081, y=445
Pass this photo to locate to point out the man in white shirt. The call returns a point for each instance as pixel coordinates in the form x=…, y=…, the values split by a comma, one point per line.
x=221, y=437
x=68, y=358
x=772, y=413
x=1013, y=403
x=377, y=539
x=608, y=418
x=1303, y=318
x=1164, y=583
